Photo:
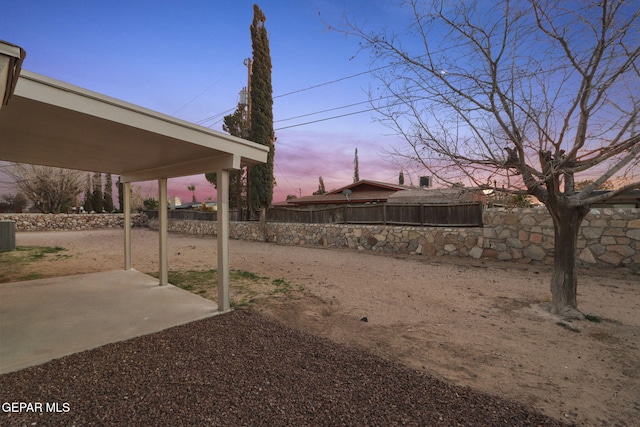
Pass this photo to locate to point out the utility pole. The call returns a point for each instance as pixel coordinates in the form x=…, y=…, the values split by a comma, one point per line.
x=249, y=64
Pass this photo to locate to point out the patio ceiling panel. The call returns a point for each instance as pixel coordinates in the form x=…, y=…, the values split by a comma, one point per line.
x=52, y=123
x=56, y=124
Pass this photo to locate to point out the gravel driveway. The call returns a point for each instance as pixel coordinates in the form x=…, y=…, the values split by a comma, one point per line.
x=241, y=369
x=469, y=323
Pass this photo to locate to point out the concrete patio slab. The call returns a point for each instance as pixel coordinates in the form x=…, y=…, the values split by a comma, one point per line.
x=45, y=319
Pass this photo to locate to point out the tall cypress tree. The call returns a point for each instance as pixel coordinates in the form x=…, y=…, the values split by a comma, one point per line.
x=108, y=194
x=88, y=205
x=120, y=186
x=321, y=189
x=356, y=168
x=96, y=197
x=235, y=124
x=261, y=131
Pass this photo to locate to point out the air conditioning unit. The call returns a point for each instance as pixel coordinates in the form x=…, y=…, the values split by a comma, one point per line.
x=7, y=236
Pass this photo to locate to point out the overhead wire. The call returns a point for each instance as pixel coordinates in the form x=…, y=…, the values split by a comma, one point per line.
x=326, y=119
x=320, y=112
x=201, y=122
x=332, y=81
x=215, y=116
x=315, y=86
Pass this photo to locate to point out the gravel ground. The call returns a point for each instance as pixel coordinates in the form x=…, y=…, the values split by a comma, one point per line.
x=241, y=369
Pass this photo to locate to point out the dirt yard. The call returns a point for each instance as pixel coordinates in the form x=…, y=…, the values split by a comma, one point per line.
x=469, y=322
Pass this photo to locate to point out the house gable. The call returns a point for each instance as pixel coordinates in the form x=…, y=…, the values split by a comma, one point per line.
x=363, y=191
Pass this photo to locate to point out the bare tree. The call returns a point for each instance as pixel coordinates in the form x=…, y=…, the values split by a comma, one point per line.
x=526, y=94
x=48, y=188
x=13, y=202
x=321, y=189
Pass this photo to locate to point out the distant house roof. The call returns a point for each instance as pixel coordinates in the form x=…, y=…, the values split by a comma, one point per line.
x=368, y=185
x=363, y=191
x=628, y=198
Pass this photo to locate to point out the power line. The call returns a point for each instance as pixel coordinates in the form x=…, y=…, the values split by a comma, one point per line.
x=409, y=62
x=321, y=111
x=196, y=97
x=393, y=104
x=325, y=119
x=215, y=116
x=283, y=175
x=308, y=88
x=326, y=83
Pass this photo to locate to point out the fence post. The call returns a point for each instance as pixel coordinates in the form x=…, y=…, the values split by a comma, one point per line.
x=422, y=214
x=384, y=213
x=480, y=209
x=344, y=214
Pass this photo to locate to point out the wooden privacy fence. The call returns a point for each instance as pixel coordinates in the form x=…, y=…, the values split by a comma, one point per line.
x=234, y=215
x=440, y=215
x=458, y=215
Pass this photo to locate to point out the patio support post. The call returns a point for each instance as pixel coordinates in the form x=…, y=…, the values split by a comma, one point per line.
x=162, y=219
x=126, y=209
x=222, y=184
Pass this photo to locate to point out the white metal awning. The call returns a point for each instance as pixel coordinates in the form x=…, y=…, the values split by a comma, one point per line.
x=52, y=123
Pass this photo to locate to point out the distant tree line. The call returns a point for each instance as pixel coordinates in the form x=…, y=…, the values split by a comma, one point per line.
x=13, y=202
x=55, y=190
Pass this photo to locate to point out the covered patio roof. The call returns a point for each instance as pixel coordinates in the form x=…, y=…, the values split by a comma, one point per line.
x=49, y=122
x=53, y=123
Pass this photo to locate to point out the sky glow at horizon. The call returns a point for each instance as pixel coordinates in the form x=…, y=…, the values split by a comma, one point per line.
x=185, y=59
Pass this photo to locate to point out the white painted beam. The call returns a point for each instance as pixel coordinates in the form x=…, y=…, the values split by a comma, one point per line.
x=126, y=199
x=222, y=185
x=222, y=161
x=162, y=219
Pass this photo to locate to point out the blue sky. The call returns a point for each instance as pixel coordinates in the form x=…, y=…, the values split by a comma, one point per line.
x=185, y=58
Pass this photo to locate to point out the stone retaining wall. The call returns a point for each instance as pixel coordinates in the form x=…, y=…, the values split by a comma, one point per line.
x=608, y=237
x=48, y=222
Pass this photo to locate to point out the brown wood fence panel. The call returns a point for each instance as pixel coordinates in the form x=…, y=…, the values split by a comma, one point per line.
x=459, y=215
x=364, y=214
x=195, y=215
x=453, y=215
x=403, y=214
x=333, y=215
x=289, y=215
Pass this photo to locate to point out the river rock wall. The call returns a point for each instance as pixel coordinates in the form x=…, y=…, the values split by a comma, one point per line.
x=608, y=237
x=49, y=222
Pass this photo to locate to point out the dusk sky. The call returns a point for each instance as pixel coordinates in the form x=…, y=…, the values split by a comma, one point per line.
x=185, y=59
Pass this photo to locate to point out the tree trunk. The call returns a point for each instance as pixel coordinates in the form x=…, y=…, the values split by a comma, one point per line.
x=564, y=282
x=263, y=223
